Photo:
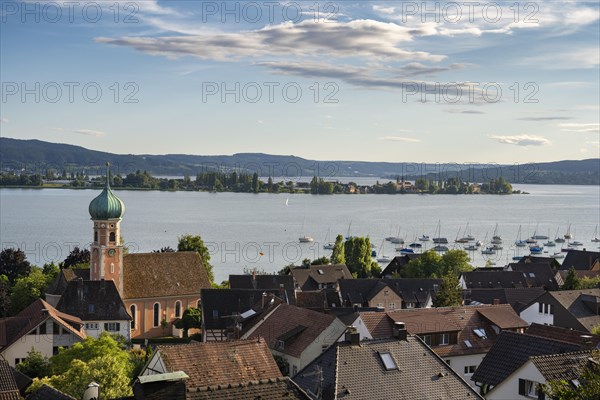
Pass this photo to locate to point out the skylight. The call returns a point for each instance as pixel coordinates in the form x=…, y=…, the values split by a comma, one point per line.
x=388, y=361
x=248, y=314
x=531, y=275
x=320, y=271
x=468, y=344
x=480, y=332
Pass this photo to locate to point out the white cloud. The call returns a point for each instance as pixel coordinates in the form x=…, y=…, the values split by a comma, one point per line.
x=580, y=128
x=384, y=9
x=454, y=111
x=4, y=120
x=522, y=140
x=399, y=139
x=86, y=132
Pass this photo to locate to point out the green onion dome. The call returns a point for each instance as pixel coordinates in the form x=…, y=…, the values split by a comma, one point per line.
x=107, y=205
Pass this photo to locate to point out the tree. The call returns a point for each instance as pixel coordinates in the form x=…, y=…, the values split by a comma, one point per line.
x=14, y=264
x=191, y=318
x=35, y=365
x=103, y=360
x=321, y=261
x=426, y=266
x=589, y=383
x=337, y=257
x=449, y=293
x=76, y=256
x=455, y=261
x=357, y=252
x=572, y=281
x=28, y=289
x=167, y=249
x=4, y=296
x=189, y=242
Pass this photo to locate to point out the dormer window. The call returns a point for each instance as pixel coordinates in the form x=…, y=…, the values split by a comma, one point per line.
x=481, y=333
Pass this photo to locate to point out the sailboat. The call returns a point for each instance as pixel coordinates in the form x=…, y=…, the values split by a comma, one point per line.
x=558, y=239
x=536, y=236
x=467, y=237
x=304, y=238
x=549, y=243
x=568, y=234
x=519, y=242
x=496, y=239
x=382, y=257
x=397, y=239
x=328, y=245
x=596, y=239
x=348, y=234
x=439, y=239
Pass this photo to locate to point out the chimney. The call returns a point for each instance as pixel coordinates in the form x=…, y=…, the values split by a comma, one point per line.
x=352, y=336
x=399, y=331
x=587, y=341
x=496, y=302
x=254, y=278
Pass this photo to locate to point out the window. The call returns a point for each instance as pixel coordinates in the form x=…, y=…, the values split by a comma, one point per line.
x=215, y=314
x=468, y=344
x=112, y=326
x=280, y=345
x=444, y=339
x=95, y=236
x=55, y=328
x=392, y=306
x=177, y=309
x=388, y=361
x=43, y=328
x=320, y=271
x=410, y=305
x=541, y=308
x=546, y=308
x=132, y=311
x=112, y=237
x=91, y=326
x=470, y=369
x=379, y=305
x=156, y=316
x=530, y=389
x=90, y=308
x=427, y=339
x=112, y=268
x=481, y=333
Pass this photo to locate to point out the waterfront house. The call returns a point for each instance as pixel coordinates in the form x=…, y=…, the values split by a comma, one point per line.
x=575, y=309
x=284, y=284
x=538, y=274
x=516, y=297
x=40, y=327
x=369, y=293
x=317, y=277
x=400, y=367
x=495, y=279
x=582, y=260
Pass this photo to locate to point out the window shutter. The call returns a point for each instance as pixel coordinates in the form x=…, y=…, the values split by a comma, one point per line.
x=522, y=387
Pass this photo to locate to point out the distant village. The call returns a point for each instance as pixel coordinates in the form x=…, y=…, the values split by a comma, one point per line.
x=110, y=324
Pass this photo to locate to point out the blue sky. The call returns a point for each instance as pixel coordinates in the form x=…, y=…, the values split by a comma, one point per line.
x=368, y=80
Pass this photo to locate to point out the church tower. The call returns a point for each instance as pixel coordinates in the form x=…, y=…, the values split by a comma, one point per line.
x=106, y=252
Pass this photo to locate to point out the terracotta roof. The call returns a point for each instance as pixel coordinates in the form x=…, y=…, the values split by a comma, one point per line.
x=511, y=351
x=49, y=393
x=580, y=259
x=93, y=300
x=220, y=363
x=358, y=372
x=271, y=282
x=566, y=366
x=297, y=327
x=8, y=387
x=516, y=297
x=178, y=273
x=265, y=389
x=563, y=334
x=573, y=302
x=13, y=328
x=502, y=317
x=378, y=324
x=309, y=278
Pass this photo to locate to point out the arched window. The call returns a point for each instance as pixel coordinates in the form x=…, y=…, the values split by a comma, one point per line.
x=133, y=312
x=156, y=316
x=177, y=309
x=112, y=268
x=96, y=236
x=112, y=237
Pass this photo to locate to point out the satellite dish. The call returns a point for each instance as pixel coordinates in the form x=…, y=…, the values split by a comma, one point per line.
x=92, y=392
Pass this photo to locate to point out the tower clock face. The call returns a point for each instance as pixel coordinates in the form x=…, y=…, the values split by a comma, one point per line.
x=111, y=252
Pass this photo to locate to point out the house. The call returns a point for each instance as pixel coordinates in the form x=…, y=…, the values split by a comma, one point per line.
x=575, y=309
x=401, y=367
x=296, y=334
x=460, y=335
x=318, y=300
x=395, y=266
x=516, y=297
x=98, y=305
x=369, y=293
x=415, y=292
x=317, y=277
x=283, y=283
x=553, y=262
x=509, y=353
x=538, y=274
x=155, y=287
x=529, y=380
x=41, y=327
x=226, y=312
x=58, y=286
x=494, y=279
x=215, y=363
x=564, y=334
x=582, y=260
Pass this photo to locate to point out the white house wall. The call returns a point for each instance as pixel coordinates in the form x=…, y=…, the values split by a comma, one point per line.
x=458, y=364
x=509, y=388
x=532, y=314
x=361, y=328
x=124, y=328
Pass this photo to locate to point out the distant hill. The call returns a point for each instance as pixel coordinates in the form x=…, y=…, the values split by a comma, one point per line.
x=36, y=156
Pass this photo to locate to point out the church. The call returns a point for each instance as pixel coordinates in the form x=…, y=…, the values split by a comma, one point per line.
x=155, y=288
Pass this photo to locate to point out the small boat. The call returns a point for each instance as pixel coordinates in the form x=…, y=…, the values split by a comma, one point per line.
x=328, y=246
x=576, y=243
x=488, y=250
x=536, y=249
x=567, y=249
x=496, y=247
x=595, y=238
x=467, y=237
x=557, y=255
x=538, y=237
x=478, y=243
x=559, y=240
x=519, y=242
x=470, y=247
x=306, y=239
x=517, y=258
x=424, y=238
x=568, y=234
x=397, y=240
x=415, y=245
x=496, y=239
x=406, y=251
x=384, y=259
x=440, y=248
x=439, y=239
x=531, y=241
x=549, y=243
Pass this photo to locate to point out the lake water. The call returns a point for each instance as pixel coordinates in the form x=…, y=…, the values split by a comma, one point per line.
x=47, y=223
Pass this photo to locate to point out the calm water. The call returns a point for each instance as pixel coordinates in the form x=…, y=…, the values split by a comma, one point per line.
x=238, y=227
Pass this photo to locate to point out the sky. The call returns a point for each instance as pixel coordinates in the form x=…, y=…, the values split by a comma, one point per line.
x=501, y=82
